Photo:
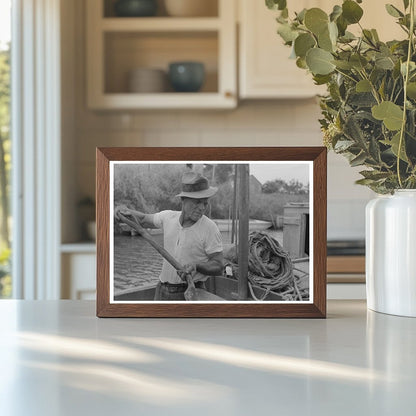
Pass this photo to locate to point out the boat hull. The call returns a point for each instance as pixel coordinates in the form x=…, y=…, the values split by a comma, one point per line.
x=224, y=287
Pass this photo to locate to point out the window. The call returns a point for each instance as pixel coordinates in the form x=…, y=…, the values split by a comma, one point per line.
x=5, y=147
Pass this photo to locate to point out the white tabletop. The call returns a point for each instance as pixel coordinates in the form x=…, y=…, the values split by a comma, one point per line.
x=57, y=358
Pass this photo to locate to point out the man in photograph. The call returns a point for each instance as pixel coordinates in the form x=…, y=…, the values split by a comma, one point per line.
x=189, y=236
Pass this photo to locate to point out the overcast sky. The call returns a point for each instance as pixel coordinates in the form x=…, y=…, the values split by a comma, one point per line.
x=280, y=170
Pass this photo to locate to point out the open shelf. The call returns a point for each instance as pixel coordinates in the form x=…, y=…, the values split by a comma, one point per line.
x=127, y=51
x=118, y=45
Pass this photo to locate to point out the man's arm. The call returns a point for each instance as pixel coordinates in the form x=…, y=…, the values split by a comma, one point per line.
x=213, y=267
x=145, y=220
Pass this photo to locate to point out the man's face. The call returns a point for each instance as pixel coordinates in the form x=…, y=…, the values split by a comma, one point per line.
x=193, y=209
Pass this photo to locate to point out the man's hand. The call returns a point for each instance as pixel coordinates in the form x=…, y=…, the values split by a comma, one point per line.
x=187, y=269
x=123, y=210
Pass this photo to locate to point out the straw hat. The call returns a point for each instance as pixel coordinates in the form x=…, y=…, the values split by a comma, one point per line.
x=194, y=185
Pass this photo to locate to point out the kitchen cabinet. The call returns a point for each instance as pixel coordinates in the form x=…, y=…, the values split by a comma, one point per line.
x=78, y=263
x=265, y=70
x=118, y=45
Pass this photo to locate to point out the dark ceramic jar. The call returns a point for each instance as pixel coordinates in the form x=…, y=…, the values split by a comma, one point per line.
x=186, y=76
x=135, y=8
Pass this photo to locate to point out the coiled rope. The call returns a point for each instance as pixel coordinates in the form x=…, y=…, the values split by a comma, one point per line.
x=270, y=267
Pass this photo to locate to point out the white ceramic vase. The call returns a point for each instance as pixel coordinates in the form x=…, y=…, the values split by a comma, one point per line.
x=391, y=253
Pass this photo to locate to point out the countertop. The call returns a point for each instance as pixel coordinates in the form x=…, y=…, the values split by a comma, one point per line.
x=57, y=358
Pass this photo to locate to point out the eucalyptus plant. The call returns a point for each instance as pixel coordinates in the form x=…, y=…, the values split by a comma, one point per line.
x=369, y=112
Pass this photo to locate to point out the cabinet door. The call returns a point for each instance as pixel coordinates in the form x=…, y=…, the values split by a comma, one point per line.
x=265, y=68
x=78, y=276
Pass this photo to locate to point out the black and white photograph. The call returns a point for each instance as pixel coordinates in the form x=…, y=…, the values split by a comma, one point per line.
x=211, y=232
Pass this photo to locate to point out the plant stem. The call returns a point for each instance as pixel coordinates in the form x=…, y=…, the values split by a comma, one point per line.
x=405, y=81
x=373, y=88
x=346, y=75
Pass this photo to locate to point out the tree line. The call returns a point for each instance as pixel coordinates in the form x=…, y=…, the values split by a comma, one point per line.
x=153, y=187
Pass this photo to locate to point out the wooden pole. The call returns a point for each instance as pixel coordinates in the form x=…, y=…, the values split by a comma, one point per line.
x=234, y=207
x=243, y=209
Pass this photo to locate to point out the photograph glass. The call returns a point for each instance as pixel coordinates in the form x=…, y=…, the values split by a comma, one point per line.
x=209, y=232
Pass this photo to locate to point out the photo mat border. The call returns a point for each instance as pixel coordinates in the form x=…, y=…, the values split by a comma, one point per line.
x=307, y=163
x=315, y=308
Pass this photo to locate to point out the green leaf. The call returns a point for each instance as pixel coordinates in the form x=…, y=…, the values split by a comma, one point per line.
x=281, y=19
x=351, y=11
x=352, y=129
x=374, y=150
x=405, y=21
x=333, y=32
x=412, y=67
x=347, y=37
x=368, y=36
x=374, y=175
x=362, y=99
x=343, y=145
x=344, y=65
x=411, y=90
x=382, y=89
x=394, y=143
x=384, y=62
x=319, y=61
x=301, y=15
x=303, y=43
x=358, y=61
x=411, y=124
x=316, y=20
x=393, y=11
x=365, y=182
x=375, y=35
x=342, y=25
x=282, y=4
x=321, y=79
x=377, y=75
x=336, y=12
x=391, y=114
x=301, y=63
x=363, y=86
x=358, y=160
x=325, y=42
x=287, y=33
x=276, y=4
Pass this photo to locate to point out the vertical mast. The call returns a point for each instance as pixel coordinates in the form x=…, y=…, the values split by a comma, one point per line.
x=243, y=209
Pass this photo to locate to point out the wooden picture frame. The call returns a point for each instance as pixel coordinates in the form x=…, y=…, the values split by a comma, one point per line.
x=110, y=304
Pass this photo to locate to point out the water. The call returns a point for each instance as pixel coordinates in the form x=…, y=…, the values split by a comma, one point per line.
x=138, y=264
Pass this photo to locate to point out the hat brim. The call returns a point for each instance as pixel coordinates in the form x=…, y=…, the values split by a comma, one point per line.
x=206, y=193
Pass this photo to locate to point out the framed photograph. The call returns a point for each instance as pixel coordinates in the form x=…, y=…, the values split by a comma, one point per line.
x=211, y=232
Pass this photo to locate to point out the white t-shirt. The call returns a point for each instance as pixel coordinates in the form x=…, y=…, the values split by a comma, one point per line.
x=187, y=245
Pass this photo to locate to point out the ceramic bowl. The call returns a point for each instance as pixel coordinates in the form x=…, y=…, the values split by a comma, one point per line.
x=135, y=8
x=147, y=80
x=186, y=76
